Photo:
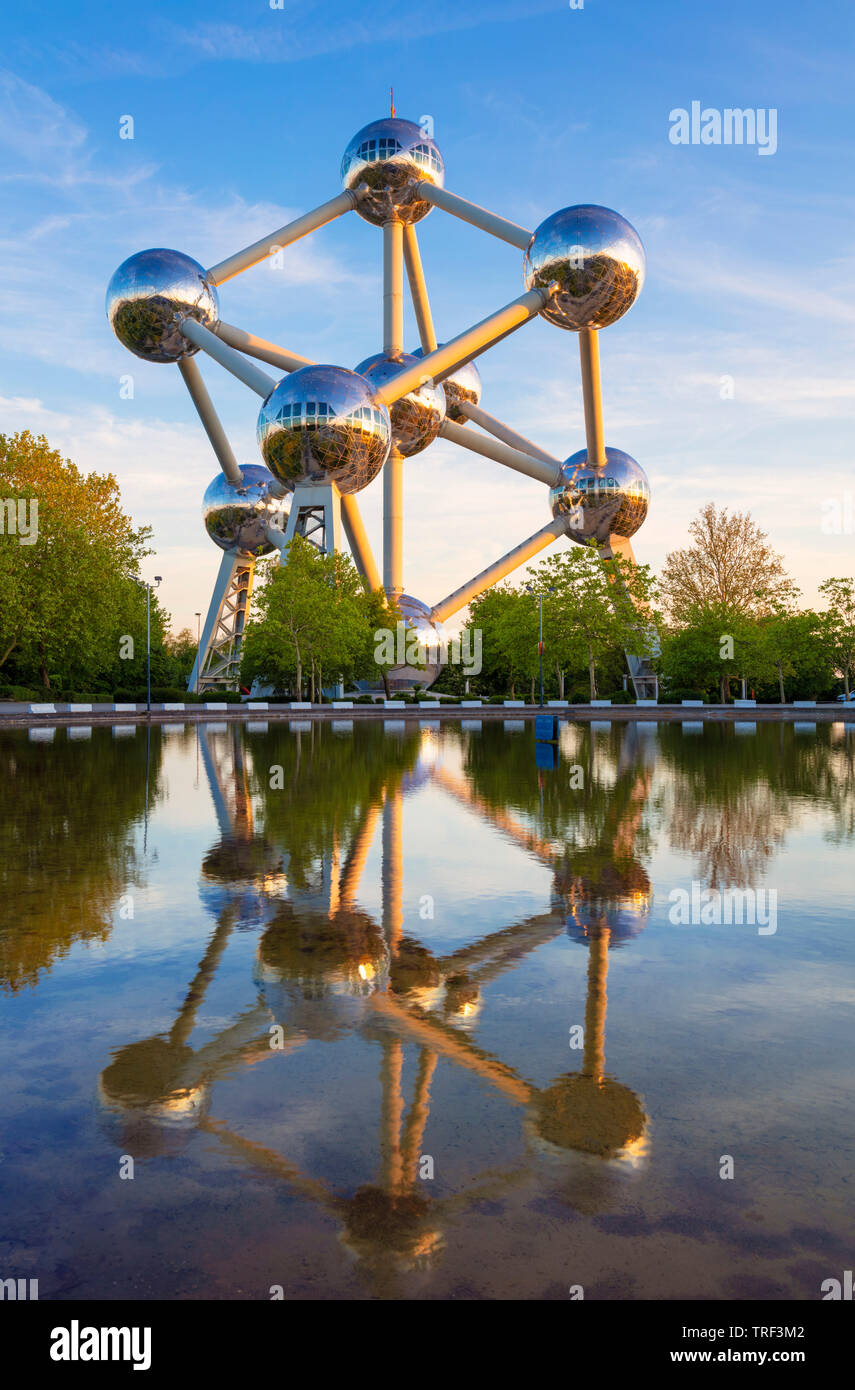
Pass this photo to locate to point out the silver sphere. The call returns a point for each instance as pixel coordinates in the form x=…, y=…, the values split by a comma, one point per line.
x=416, y=417
x=416, y=616
x=612, y=500
x=236, y=517
x=597, y=259
x=463, y=384
x=150, y=294
x=384, y=164
x=320, y=424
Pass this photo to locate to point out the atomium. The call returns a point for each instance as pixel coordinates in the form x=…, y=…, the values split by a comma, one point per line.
x=237, y=518
x=150, y=294
x=597, y=260
x=384, y=164
x=416, y=417
x=599, y=502
x=321, y=424
x=325, y=432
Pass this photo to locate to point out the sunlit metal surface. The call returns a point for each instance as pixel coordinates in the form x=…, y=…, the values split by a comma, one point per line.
x=416, y=418
x=601, y=501
x=320, y=424
x=464, y=384
x=384, y=164
x=236, y=518
x=597, y=259
x=150, y=294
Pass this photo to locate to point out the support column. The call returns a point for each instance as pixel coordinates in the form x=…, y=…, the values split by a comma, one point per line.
x=393, y=524
x=393, y=288
x=218, y=658
x=592, y=395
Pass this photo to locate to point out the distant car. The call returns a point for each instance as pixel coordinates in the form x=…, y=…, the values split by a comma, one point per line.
x=847, y=699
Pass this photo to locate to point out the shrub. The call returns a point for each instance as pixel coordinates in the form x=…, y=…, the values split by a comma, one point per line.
x=21, y=692
x=673, y=697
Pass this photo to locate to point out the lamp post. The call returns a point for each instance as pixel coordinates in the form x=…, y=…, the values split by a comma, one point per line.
x=530, y=588
x=148, y=588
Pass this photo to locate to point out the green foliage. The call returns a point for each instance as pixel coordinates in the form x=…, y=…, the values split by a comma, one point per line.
x=312, y=620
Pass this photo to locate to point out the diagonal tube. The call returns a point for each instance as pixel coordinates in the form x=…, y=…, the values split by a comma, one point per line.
x=285, y=236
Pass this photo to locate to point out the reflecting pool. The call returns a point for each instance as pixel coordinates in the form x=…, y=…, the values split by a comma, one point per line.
x=363, y=1010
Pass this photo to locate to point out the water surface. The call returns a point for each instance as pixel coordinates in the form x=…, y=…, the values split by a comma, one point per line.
x=400, y=1011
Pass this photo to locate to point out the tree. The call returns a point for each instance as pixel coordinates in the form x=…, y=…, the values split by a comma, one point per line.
x=311, y=615
x=66, y=599
x=838, y=626
x=730, y=568
x=596, y=605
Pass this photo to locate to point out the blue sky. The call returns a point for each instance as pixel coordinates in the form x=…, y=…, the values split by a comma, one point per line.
x=241, y=114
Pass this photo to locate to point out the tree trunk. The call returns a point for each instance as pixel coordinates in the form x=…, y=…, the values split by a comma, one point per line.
x=781, y=684
x=560, y=675
x=386, y=684
x=724, y=690
x=592, y=674
x=513, y=689
x=312, y=684
x=45, y=676
x=532, y=690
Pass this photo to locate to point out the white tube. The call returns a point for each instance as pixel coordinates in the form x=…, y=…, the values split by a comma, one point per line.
x=548, y=473
x=499, y=570
x=260, y=348
x=479, y=217
x=291, y=232
x=189, y=369
x=464, y=347
x=251, y=376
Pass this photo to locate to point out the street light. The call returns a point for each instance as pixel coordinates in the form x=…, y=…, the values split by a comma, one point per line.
x=531, y=590
x=148, y=588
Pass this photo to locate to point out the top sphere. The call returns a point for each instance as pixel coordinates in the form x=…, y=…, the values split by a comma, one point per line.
x=320, y=424
x=462, y=385
x=389, y=159
x=150, y=294
x=597, y=259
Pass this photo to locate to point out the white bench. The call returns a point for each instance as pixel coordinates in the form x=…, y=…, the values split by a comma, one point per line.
x=600, y=703
x=300, y=704
x=125, y=709
x=173, y=707
x=696, y=704
x=745, y=704
x=42, y=709
x=257, y=704
x=79, y=709
x=342, y=704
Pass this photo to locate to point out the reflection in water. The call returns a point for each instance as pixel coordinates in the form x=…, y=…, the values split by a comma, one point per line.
x=67, y=849
x=313, y=864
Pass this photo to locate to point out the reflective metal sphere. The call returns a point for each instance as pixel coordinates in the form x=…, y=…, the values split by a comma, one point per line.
x=235, y=518
x=416, y=418
x=464, y=384
x=601, y=501
x=150, y=294
x=387, y=160
x=320, y=424
x=428, y=634
x=597, y=259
